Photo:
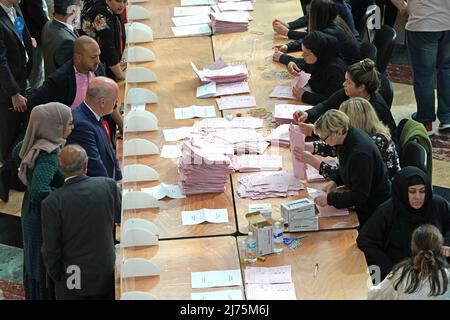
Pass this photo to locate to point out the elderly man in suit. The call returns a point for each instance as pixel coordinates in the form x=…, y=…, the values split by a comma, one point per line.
x=15, y=66
x=90, y=132
x=59, y=34
x=77, y=223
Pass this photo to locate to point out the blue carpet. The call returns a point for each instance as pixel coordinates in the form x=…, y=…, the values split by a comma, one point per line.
x=11, y=263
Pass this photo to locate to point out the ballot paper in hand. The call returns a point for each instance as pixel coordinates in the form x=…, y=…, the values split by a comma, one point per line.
x=236, y=102
x=302, y=80
x=195, y=111
x=165, y=190
x=297, y=140
x=211, y=279
x=284, y=113
x=282, y=92
x=171, y=151
x=202, y=215
x=263, y=275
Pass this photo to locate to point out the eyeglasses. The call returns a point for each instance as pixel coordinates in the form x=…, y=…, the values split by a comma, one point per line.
x=325, y=139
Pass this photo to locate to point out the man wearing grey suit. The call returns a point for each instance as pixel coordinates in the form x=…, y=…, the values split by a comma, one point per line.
x=59, y=34
x=77, y=231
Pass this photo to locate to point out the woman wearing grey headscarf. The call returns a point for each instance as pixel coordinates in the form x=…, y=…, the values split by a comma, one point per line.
x=49, y=126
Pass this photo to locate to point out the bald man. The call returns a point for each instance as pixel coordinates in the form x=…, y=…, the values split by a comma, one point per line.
x=90, y=132
x=77, y=230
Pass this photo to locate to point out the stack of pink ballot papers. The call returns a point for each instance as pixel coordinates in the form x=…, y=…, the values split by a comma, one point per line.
x=279, y=136
x=297, y=140
x=268, y=185
x=233, y=73
x=202, y=170
x=255, y=163
x=229, y=21
x=284, y=113
x=212, y=124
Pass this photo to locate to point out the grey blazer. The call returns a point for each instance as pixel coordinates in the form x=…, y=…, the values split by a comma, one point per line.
x=57, y=45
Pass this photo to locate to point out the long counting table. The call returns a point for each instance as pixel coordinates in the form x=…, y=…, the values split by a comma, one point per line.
x=341, y=262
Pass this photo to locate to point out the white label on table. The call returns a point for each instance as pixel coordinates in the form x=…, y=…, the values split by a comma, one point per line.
x=218, y=295
x=202, y=215
x=263, y=275
x=177, y=133
x=282, y=291
x=211, y=279
x=171, y=151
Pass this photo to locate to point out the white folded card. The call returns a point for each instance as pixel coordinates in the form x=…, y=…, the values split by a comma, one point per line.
x=177, y=133
x=139, y=147
x=137, y=295
x=190, y=20
x=207, y=90
x=211, y=279
x=139, y=172
x=139, y=54
x=236, y=102
x=141, y=95
x=137, y=233
x=165, y=190
x=138, y=267
x=135, y=12
x=140, y=120
x=140, y=74
x=286, y=110
x=191, y=11
x=171, y=151
x=202, y=215
x=138, y=32
x=218, y=295
x=281, y=274
x=185, y=3
x=195, y=111
x=194, y=30
x=139, y=200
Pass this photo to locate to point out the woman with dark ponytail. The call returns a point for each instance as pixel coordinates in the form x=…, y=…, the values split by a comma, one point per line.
x=425, y=275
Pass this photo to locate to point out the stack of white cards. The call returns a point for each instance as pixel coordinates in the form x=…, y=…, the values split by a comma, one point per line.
x=279, y=136
x=202, y=171
x=230, y=21
x=264, y=185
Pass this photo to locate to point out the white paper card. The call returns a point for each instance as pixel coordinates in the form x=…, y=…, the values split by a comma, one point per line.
x=171, y=151
x=191, y=11
x=165, y=190
x=177, y=133
x=263, y=275
x=236, y=102
x=286, y=110
x=282, y=92
x=202, y=215
x=194, y=30
x=211, y=279
x=190, y=20
x=218, y=295
x=281, y=291
x=207, y=91
x=195, y=111
x=185, y=3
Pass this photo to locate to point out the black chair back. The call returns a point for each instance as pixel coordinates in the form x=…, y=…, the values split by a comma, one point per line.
x=384, y=40
x=414, y=154
x=368, y=50
x=386, y=90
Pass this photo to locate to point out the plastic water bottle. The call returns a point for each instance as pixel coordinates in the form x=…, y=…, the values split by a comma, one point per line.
x=242, y=250
x=278, y=237
x=251, y=251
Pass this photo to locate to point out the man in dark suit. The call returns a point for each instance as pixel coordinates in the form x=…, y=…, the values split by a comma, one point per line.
x=59, y=34
x=90, y=131
x=35, y=15
x=15, y=66
x=77, y=223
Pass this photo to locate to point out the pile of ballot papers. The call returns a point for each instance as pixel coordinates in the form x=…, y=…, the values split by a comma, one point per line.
x=268, y=185
x=255, y=163
x=203, y=170
x=284, y=113
x=279, y=136
x=229, y=21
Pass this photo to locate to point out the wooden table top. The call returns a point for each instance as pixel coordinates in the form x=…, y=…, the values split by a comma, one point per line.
x=176, y=259
x=342, y=272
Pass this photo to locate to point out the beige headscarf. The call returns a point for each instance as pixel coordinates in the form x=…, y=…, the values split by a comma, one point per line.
x=45, y=132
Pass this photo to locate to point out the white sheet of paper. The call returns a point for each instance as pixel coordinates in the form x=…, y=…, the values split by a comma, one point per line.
x=281, y=291
x=286, y=110
x=195, y=111
x=216, y=215
x=225, y=89
x=138, y=107
x=207, y=90
x=185, y=3
x=194, y=30
x=190, y=20
x=236, y=102
x=165, y=190
x=218, y=295
x=191, y=11
x=211, y=279
x=236, y=6
x=177, y=133
x=263, y=275
x=202, y=215
x=282, y=92
x=171, y=151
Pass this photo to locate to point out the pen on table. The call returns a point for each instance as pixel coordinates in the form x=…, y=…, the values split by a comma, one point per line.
x=316, y=269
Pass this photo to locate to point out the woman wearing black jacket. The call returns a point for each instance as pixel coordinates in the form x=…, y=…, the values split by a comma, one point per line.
x=386, y=237
x=320, y=59
x=361, y=168
x=361, y=80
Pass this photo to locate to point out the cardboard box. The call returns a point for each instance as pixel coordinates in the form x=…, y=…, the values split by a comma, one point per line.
x=262, y=230
x=300, y=215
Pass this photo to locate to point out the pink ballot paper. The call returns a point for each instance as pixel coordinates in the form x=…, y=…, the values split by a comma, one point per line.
x=302, y=80
x=297, y=139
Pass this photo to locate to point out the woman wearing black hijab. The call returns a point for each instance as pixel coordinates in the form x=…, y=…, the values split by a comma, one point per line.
x=385, y=239
x=322, y=61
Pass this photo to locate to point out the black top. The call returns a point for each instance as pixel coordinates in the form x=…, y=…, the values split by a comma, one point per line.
x=335, y=100
x=363, y=172
x=386, y=237
x=35, y=16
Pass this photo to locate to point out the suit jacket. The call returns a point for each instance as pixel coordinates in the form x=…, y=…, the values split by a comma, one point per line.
x=77, y=223
x=91, y=135
x=35, y=15
x=57, y=45
x=14, y=68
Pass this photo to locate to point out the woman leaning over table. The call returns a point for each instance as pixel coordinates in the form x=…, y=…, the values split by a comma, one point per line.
x=50, y=124
x=362, y=116
x=361, y=167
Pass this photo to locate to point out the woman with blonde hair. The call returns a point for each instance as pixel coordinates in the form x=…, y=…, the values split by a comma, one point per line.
x=361, y=115
x=425, y=275
x=361, y=168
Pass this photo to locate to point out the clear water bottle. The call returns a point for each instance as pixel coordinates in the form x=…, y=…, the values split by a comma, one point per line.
x=277, y=237
x=251, y=250
x=242, y=250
